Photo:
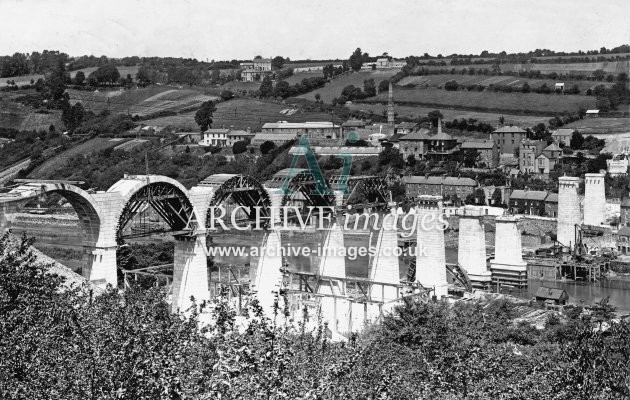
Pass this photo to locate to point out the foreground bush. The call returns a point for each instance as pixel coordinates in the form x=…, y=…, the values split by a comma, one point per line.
x=60, y=342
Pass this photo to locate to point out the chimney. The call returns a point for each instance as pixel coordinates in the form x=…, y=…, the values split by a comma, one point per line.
x=249, y=129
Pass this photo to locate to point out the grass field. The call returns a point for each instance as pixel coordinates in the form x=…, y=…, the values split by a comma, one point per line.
x=451, y=114
x=542, y=104
x=612, y=67
x=85, y=148
x=334, y=88
x=18, y=116
x=515, y=82
x=143, y=101
x=601, y=125
x=26, y=79
x=241, y=114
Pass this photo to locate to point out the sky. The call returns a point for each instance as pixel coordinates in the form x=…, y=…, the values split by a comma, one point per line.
x=316, y=29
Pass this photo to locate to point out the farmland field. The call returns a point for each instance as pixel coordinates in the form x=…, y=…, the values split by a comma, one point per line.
x=505, y=80
x=85, y=148
x=140, y=102
x=334, y=88
x=18, y=116
x=241, y=114
x=26, y=79
x=601, y=125
x=611, y=67
x=542, y=104
x=451, y=114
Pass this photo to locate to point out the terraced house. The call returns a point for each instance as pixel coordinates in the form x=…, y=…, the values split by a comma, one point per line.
x=451, y=188
x=508, y=138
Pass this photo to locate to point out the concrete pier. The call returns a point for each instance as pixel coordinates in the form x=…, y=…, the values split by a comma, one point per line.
x=190, y=274
x=471, y=253
x=430, y=252
x=508, y=266
x=568, y=209
x=269, y=272
x=594, y=199
x=385, y=266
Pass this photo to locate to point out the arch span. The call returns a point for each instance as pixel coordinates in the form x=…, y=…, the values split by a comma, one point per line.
x=236, y=190
x=166, y=196
x=368, y=191
x=86, y=207
x=297, y=185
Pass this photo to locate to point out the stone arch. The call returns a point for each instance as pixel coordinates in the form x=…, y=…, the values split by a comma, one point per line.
x=167, y=196
x=86, y=207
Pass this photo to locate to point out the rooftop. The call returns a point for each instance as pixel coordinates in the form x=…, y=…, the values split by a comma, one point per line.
x=440, y=180
x=563, y=132
x=484, y=144
x=422, y=134
x=509, y=129
x=551, y=293
x=275, y=136
x=299, y=125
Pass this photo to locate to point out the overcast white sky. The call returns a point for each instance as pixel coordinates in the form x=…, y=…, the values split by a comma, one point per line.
x=316, y=29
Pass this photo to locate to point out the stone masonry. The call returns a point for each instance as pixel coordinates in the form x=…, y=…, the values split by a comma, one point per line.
x=568, y=209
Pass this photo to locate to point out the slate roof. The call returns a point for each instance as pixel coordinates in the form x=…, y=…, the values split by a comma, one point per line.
x=439, y=180
x=509, y=129
x=563, y=132
x=551, y=293
x=422, y=134
x=538, y=195
x=552, y=147
x=486, y=144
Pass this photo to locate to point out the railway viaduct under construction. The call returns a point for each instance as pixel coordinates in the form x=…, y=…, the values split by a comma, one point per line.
x=104, y=215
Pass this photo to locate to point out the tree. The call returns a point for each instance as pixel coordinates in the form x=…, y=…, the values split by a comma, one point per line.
x=277, y=62
x=266, y=87
x=79, y=78
x=383, y=86
x=267, y=146
x=451, y=85
x=356, y=60
x=203, y=116
x=525, y=88
x=471, y=156
x=106, y=75
x=434, y=116
x=227, y=95
x=577, y=140
x=599, y=74
x=239, y=147
x=369, y=87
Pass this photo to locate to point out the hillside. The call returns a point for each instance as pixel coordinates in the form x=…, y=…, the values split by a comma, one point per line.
x=611, y=67
x=140, y=101
x=334, y=88
x=505, y=80
x=528, y=103
x=26, y=79
x=21, y=117
x=241, y=114
x=403, y=111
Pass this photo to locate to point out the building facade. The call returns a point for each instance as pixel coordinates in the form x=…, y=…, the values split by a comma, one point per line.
x=508, y=138
x=313, y=130
x=488, y=152
x=453, y=188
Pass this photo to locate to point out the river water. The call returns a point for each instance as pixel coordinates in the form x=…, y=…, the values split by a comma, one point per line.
x=579, y=293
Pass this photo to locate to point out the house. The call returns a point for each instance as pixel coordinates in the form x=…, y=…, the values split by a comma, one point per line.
x=253, y=71
x=313, y=130
x=487, y=149
x=404, y=128
x=277, y=138
x=354, y=152
x=508, y=138
x=562, y=136
x=546, y=161
x=215, y=137
x=528, y=151
x=592, y=114
x=4, y=142
x=453, y=188
x=234, y=136
x=352, y=125
x=414, y=144
x=558, y=296
x=551, y=205
x=529, y=202
x=618, y=165
x=441, y=146
x=559, y=87
x=624, y=216
x=623, y=240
